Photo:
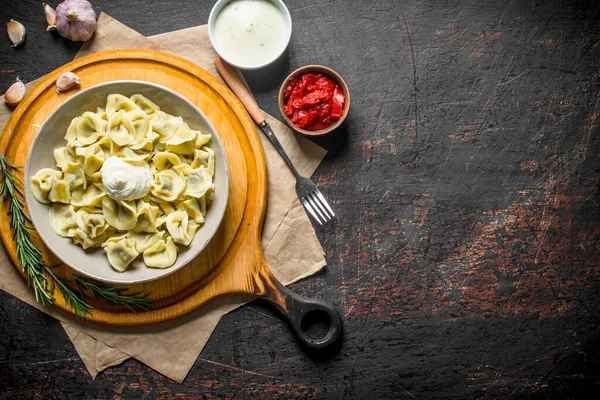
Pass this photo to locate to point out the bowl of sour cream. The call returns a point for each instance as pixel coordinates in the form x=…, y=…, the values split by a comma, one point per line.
x=250, y=34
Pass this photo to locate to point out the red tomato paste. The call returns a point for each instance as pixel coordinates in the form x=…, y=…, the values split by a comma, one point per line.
x=313, y=101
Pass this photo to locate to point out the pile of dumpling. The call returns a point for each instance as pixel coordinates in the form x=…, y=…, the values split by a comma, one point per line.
x=157, y=225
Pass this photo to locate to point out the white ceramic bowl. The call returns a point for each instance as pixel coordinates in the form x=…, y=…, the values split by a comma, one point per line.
x=93, y=262
x=214, y=13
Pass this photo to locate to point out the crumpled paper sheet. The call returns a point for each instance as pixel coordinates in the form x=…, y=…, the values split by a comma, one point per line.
x=290, y=245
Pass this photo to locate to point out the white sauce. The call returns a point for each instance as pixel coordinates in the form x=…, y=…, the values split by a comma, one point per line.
x=250, y=32
x=124, y=181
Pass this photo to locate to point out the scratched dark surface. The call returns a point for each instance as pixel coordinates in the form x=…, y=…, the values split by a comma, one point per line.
x=465, y=253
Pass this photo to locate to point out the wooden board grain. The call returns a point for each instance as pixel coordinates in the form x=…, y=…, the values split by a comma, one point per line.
x=233, y=260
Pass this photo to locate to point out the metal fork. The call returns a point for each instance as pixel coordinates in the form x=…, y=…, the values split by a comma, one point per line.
x=308, y=193
x=313, y=200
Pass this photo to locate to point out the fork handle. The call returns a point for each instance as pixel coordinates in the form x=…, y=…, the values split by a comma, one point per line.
x=237, y=86
x=266, y=128
x=240, y=90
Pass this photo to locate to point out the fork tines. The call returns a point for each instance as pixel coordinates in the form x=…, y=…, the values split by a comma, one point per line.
x=317, y=206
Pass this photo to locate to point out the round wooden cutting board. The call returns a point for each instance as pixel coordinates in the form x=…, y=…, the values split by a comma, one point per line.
x=233, y=261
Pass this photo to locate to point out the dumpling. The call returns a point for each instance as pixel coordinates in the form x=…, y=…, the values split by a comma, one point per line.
x=160, y=221
x=145, y=104
x=62, y=156
x=90, y=197
x=192, y=208
x=205, y=200
x=143, y=241
x=91, y=221
x=140, y=122
x=146, y=217
x=167, y=185
x=122, y=214
x=82, y=238
x=109, y=147
x=158, y=147
x=60, y=192
x=205, y=156
x=76, y=197
x=62, y=218
x=73, y=174
x=147, y=143
x=131, y=156
x=183, y=140
x=101, y=112
x=181, y=228
x=161, y=255
x=85, y=130
x=118, y=102
x=202, y=139
x=186, y=158
x=121, y=131
x=93, y=195
x=183, y=169
x=41, y=183
x=165, y=125
x=97, y=178
x=165, y=160
x=166, y=207
x=93, y=158
x=120, y=251
x=199, y=181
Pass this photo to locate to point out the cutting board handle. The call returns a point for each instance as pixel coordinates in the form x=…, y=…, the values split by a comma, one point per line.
x=297, y=308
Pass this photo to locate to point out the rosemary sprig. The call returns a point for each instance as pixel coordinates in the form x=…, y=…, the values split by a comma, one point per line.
x=73, y=298
x=31, y=259
x=113, y=294
x=39, y=275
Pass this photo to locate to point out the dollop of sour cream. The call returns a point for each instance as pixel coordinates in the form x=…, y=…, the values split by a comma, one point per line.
x=124, y=181
x=250, y=32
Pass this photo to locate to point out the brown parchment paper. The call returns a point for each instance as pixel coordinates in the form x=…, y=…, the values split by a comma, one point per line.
x=290, y=245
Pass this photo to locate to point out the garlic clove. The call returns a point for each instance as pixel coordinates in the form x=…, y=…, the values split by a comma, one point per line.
x=75, y=20
x=15, y=93
x=16, y=32
x=66, y=81
x=50, y=17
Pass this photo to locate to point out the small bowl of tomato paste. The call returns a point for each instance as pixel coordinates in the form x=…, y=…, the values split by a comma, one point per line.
x=314, y=100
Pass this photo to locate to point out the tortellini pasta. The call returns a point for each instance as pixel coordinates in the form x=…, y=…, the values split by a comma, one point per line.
x=121, y=131
x=62, y=218
x=122, y=214
x=93, y=158
x=164, y=218
x=167, y=185
x=199, y=181
x=85, y=130
x=93, y=223
x=41, y=184
x=181, y=228
x=162, y=254
x=120, y=251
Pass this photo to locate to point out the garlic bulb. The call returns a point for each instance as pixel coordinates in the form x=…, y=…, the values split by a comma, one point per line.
x=50, y=17
x=66, y=81
x=15, y=93
x=16, y=32
x=75, y=20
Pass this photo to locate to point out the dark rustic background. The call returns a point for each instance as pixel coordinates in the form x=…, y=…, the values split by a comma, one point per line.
x=464, y=255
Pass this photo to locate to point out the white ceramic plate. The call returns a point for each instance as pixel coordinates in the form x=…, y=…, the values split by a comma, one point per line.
x=93, y=262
